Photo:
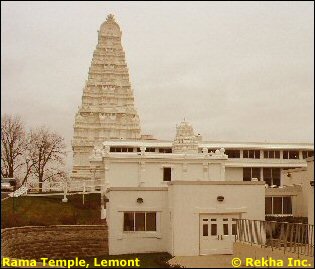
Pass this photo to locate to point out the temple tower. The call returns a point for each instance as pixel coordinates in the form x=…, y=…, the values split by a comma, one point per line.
x=107, y=110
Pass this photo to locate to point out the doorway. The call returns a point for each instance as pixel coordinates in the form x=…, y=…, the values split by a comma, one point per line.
x=217, y=233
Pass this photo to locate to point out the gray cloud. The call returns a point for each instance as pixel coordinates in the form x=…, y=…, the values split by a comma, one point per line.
x=236, y=71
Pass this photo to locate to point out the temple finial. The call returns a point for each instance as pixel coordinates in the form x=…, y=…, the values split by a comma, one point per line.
x=110, y=17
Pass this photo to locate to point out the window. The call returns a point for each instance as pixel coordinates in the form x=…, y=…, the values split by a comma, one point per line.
x=307, y=154
x=290, y=154
x=268, y=205
x=287, y=205
x=205, y=230
x=139, y=221
x=281, y=205
x=150, y=221
x=271, y=154
x=234, y=230
x=277, y=205
x=123, y=149
x=128, y=221
x=251, y=154
x=213, y=229
x=251, y=172
x=272, y=176
x=165, y=150
x=150, y=150
x=167, y=174
x=231, y=153
x=225, y=229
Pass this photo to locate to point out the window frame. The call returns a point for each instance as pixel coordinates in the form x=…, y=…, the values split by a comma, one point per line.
x=282, y=206
x=252, y=173
x=271, y=154
x=273, y=178
x=251, y=154
x=164, y=173
x=234, y=153
x=145, y=222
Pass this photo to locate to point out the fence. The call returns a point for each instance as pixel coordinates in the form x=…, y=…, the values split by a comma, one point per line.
x=289, y=237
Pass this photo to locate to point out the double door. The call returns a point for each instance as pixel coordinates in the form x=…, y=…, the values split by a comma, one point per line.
x=217, y=233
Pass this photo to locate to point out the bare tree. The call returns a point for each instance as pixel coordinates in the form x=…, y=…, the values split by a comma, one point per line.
x=47, y=153
x=13, y=144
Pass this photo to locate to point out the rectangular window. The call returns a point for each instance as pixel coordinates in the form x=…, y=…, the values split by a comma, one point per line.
x=277, y=205
x=234, y=230
x=251, y=154
x=307, y=154
x=139, y=221
x=281, y=205
x=287, y=205
x=167, y=174
x=268, y=205
x=256, y=172
x=213, y=229
x=231, y=153
x=205, y=230
x=225, y=229
x=165, y=150
x=150, y=150
x=271, y=154
x=150, y=223
x=251, y=172
x=247, y=174
x=272, y=176
x=129, y=221
x=290, y=154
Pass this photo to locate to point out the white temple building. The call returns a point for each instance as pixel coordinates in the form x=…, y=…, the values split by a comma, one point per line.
x=160, y=190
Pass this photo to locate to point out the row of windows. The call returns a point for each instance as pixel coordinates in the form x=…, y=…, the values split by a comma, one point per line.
x=247, y=154
x=271, y=154
x=214, y=229
x=307, y=154
x=139, y=221
x=149, y=149
x=278, y=205
x=270, y=175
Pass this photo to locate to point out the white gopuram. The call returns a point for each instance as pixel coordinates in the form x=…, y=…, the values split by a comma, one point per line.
x=107, y=110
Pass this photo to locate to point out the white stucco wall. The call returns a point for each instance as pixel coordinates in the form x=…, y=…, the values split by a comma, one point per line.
x=149, y=172
x=234, y=173
x=303, y=203
x=178, y=209
x=190, y=200
x=121, y=242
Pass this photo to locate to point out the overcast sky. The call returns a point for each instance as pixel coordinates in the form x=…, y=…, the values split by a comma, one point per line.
x=236, y=71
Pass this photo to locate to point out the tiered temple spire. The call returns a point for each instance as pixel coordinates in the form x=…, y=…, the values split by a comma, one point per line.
x=107, y=110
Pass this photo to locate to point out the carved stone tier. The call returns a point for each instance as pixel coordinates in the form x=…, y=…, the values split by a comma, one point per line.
x=107, y=110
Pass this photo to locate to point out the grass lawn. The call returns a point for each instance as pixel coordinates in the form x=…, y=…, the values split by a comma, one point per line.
x=50, y=210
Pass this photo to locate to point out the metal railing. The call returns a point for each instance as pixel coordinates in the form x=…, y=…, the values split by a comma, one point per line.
x=290, y=237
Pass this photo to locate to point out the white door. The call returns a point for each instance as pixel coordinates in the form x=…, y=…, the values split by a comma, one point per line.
x=217, y=233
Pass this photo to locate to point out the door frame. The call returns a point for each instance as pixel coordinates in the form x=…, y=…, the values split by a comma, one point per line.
x=239, y=215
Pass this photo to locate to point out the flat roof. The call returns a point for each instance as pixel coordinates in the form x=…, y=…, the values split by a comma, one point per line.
x=212, y=144
x=225, y=182
x=137, y=189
